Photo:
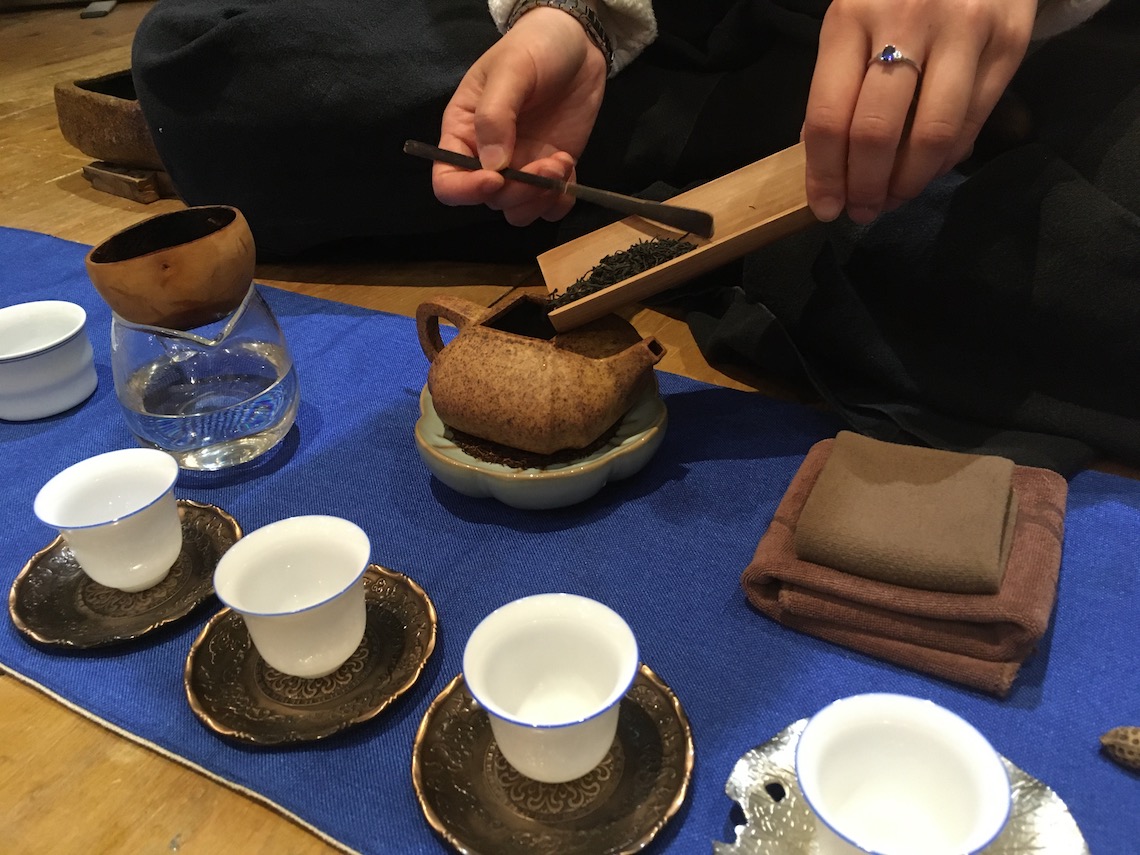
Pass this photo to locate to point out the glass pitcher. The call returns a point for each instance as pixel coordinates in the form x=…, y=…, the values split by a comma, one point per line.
x=213, y=396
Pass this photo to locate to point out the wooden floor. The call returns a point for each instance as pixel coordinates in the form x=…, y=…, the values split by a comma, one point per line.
x=67, y=785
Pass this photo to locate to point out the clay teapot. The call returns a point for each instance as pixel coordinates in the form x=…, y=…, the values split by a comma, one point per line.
x=507, y=376
x=177, y=270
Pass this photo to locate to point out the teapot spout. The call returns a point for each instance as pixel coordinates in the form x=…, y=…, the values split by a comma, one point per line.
x=629, y=365
x=630, y=371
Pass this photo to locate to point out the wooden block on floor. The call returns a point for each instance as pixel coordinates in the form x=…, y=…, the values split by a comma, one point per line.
x=139, y=185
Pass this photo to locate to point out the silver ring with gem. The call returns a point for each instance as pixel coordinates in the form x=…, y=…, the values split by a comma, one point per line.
x=891, y=55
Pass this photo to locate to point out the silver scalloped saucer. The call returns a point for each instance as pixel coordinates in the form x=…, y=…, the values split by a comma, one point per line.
x=53, y=602
x=236, y=694
x=479, y=804
x=779, y=822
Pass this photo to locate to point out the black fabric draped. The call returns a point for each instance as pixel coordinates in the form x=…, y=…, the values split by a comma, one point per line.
x=296, y=111
x=998, y=313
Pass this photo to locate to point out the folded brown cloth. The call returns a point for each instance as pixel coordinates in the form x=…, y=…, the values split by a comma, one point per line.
x=913, y=516
x=979, y=640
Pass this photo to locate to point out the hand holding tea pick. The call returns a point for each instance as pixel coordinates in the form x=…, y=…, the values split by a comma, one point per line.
x=686, y=219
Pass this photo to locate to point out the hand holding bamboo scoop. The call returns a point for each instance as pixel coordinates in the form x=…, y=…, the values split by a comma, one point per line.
x=686, y=219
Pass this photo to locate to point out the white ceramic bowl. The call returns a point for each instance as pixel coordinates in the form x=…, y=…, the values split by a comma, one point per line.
x=46, y=363
x=637, y=439
x=892, y=774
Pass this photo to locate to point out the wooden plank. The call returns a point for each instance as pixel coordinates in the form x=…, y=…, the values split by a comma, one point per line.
x=44, y=47
x=69, y=785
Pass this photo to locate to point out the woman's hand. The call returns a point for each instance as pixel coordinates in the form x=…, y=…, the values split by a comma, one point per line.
x=529, y=102
x=877, y=133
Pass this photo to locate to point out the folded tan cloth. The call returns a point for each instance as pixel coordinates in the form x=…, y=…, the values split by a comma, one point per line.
x=919, y=517
x=976, y=639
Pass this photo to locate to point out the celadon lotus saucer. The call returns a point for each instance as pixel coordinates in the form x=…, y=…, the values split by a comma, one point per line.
x=638, y=436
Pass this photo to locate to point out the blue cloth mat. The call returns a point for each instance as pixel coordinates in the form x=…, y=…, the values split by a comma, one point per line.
x=665, y=548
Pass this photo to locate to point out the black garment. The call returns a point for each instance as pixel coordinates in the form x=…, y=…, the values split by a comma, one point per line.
x=998, y=313
x=296, y=111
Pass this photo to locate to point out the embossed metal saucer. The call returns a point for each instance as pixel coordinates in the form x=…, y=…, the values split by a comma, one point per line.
x=778, y=821
x=236, y=694
x=54, y=602
x=480, y=804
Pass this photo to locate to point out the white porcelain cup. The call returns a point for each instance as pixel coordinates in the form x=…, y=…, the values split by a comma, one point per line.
x=117, y=513
x=551, y=670
x=46, y=361
x=297, y=584
x=897, y=775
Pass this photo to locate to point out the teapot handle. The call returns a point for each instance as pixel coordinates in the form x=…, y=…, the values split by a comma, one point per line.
x=456, y=310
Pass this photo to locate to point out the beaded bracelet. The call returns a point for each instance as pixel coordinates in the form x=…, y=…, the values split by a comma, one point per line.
x=582, y=13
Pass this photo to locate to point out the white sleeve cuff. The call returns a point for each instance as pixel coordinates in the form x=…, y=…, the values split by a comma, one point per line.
x=1056, y=16
x=630, y=24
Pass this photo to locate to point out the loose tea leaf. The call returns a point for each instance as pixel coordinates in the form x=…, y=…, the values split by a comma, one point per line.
x=516, y=458
x=642, y=256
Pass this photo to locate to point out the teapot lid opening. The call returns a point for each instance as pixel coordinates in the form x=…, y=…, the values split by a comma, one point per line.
x=526, y=318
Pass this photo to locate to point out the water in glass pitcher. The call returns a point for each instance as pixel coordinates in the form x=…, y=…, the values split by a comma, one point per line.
x=213, y=410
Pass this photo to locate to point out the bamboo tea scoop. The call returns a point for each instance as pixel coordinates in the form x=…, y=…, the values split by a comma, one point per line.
x=687, y=220
x=755, y=205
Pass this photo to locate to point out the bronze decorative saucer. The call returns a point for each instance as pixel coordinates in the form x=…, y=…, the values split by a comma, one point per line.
x=54, y=602
x=236, y=694
x=779, y=821
x=480, y=804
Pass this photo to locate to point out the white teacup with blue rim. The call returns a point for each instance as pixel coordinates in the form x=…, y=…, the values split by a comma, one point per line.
x=551, y=671
x=298, y=585
x=118, y=515
x=892, y=774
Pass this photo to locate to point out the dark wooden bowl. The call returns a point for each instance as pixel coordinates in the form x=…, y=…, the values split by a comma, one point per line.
x=102, y=118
